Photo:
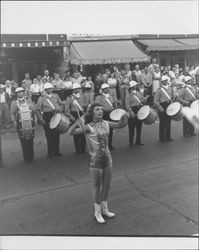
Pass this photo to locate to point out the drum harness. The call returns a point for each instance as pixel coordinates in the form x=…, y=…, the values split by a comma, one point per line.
x=137, y=98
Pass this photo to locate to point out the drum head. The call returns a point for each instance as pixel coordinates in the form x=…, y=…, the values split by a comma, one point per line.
x=173, y=108
x=143, y=112
x=195, y=105
x=116, y=114
x=55, y=120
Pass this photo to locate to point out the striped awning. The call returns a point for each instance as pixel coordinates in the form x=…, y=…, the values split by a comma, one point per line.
x=170, y=44
x=32, y=40
x=106, y=52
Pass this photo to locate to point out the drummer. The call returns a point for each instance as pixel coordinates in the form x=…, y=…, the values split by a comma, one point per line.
x=134, y=101
x=163, y=97
x=73, y=108
x=186, y=96
x=18, y=107
x=106, y=100
x=49, y=104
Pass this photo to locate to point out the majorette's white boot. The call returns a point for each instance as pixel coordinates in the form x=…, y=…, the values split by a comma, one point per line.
x=98, y=214
x=104, y=207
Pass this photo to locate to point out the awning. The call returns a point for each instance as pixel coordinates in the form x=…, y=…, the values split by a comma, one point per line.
x=170, y=44
x=105, y=52
x=32, y=40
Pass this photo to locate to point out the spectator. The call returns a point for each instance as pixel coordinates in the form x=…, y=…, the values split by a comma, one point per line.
x=153, y=65
x=10, y=90
x=97, y=85
x=147, y=80
x=156, y=79
x=77, y=78
x=4, y=108
x=123, y=86
x=35, y=91
x=39, y=80
x=128, y=70
x=47, y=75
x=27, y=94
x=112, y=81
x=57, y=82
x=107, y=75
x=27, y=81
x=137, y=72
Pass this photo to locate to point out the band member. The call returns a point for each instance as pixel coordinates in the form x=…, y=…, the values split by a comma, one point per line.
x=134, y=101
x=47, y=105
x=100, y=166
x=163, y=97
x=22, y=114
x=186, y=96
x=106, y=100
x=74, y=108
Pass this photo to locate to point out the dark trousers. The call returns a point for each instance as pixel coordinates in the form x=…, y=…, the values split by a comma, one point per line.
x=165, y=124
x=188, y=128
x=134, y=123
x=79, y=140
x=27, y=149
x=52, y=135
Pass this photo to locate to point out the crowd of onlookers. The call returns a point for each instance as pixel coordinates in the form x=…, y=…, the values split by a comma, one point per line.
x=148, y=79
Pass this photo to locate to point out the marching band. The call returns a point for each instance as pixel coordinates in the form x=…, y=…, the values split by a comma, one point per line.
x=47, y=107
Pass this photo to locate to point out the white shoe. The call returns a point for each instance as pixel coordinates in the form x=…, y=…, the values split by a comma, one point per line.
x=98, y=214
x=104, y=207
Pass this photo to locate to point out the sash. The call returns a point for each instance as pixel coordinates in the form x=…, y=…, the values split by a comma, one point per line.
x=136, y=97
x=166, y=94
x=191, y=93
x=77, y=105
x=109, y=102
x=51, y=104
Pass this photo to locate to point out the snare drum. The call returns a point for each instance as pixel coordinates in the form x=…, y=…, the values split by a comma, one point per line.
x=116, y=114
x=25, y=122
x=59, y=122
x=174, y=111
x=147, y=115
x=195, y=105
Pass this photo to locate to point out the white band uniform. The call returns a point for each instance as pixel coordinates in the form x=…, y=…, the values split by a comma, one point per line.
x=174, y=111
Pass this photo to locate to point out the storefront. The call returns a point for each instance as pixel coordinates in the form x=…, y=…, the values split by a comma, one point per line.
x=94, y=56
x=32, y=54
x=172, y=49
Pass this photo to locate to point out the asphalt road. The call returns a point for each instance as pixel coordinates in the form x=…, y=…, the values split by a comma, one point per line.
x=154, y=188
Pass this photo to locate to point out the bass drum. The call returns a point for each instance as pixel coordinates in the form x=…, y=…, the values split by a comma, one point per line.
x=116, y=114
x=147, y=115
x=174, y=111
x=195, y=105
x=59, y=122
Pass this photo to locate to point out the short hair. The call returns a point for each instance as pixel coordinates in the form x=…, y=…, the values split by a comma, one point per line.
x=89, y=115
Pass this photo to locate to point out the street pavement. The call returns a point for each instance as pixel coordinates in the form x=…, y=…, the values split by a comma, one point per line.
x=154, y=188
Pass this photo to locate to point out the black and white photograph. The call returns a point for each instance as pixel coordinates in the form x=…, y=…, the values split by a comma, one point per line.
x=99, y=125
